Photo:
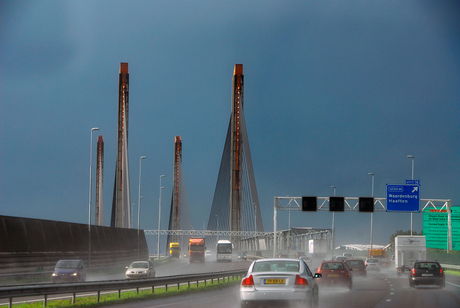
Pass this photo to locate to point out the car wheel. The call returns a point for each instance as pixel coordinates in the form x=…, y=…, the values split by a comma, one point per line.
x=314, y=299
x=350, y=285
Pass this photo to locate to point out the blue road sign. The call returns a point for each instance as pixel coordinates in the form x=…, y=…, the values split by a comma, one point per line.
x=416, y=182
x=403, y=198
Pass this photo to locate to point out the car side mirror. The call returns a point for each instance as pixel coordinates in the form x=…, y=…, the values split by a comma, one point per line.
x=318, y=275
x=444, y=269
x=351, y=269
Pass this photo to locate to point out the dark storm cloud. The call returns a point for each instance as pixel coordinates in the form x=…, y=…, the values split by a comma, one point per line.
x=333, y=90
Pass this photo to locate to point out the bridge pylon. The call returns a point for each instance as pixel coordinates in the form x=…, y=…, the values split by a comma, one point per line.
x=121, y=202
x=235, y=205
x=179, y=216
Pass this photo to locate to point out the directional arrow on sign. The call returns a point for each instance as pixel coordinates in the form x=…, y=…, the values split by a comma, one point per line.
x=415, y=189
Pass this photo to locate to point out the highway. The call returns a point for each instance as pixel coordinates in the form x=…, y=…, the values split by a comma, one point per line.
x=380, y=290
x=174, y=267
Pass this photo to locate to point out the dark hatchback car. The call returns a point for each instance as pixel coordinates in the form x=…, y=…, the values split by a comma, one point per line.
x=358, y=266
x=69, y=271
x=427, y=273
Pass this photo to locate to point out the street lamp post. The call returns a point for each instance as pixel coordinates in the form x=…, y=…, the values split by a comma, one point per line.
x=159, y=218
x=289, y=228
x=255, y=227
x=139, y=205
x=333, y=218
x=372, y=213
x=90, y=186
x=217, y=216
x=411, y=214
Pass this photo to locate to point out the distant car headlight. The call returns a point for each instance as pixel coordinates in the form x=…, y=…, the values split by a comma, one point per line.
x=74, y=274
x=54, y=274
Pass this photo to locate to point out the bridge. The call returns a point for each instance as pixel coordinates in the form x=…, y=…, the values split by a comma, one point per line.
x=235, y=211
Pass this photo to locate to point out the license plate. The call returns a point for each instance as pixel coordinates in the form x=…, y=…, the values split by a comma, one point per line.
x=427, y=275
x=333, y=275
x=275, y=281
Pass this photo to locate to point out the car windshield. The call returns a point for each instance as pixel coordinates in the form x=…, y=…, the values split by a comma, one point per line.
x=139, y=265
x=67, y=264
x=224, y=248
x=276, y=266
x=332, y=266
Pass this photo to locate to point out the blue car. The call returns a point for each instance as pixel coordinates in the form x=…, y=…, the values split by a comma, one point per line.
x=69, y=271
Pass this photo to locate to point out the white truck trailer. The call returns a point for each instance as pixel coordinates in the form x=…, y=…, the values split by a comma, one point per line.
x=407, y=250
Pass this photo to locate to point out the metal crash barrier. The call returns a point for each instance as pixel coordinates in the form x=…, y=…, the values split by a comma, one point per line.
x=115, y=285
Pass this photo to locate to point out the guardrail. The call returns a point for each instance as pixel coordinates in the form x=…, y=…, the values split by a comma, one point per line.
x=114, y=285
x=450, y=266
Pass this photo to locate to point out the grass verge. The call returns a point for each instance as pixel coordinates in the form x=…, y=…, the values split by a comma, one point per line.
x=453, y=272
x=130, y=296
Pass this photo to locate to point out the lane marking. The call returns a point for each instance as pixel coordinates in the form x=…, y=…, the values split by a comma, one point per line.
x=453, y=284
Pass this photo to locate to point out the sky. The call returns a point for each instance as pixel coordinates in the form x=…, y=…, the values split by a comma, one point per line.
x=334, y=90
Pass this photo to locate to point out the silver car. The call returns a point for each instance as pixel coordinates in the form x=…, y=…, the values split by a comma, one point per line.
x=372, y=264
x=140, y=269
x=280, y=279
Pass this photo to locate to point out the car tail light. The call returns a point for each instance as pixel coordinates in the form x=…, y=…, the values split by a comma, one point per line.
x=299, y=281
x=441, y=272
x=413, y=272
x=248, y=282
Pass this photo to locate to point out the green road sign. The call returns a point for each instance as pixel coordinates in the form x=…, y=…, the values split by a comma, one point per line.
x=435, y=228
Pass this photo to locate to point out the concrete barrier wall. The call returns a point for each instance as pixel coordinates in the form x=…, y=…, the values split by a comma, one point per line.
x=29, y=245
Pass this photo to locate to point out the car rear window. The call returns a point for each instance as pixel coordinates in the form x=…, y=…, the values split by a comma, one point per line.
x=373, y=260
x=355, y=263
x=276, y=266
x=426, y=265
x=332, y=265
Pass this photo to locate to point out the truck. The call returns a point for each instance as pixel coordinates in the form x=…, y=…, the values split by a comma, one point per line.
x=224, y=250
x=407, y=250
x=196, y=248
x=317, y=248
x=380, y=254
x=174, y=250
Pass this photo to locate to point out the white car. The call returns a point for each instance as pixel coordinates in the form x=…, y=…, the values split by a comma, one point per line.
x=279, y=279
x=372, y=264
x=140, y=269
